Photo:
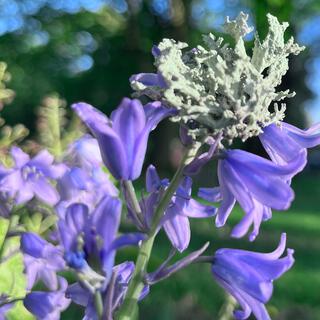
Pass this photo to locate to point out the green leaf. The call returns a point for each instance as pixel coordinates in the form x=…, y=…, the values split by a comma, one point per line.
x=33, y=223
x=12, y=278
x=4, y=225
x=47, y=223
x=19, y=312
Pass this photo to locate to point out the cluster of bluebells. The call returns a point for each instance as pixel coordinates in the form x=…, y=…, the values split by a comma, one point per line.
x=87, y=202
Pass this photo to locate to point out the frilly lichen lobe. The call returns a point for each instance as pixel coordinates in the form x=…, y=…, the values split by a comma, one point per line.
x=217, y=88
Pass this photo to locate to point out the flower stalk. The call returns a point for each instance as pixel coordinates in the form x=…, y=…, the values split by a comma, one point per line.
x=226, y=311
x=98, y=304
x=130, y=304
x=134, y=202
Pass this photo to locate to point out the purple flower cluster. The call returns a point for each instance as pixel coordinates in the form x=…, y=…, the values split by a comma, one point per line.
x=257, y=184
x=30, y=178
x=175, y=221
x=88, y=210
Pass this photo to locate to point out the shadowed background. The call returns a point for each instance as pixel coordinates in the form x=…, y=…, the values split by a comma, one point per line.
x=85, y=50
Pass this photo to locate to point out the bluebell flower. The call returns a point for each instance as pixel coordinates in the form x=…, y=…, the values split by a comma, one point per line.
x=91, y=238
x=84, y=153
x=84, y=180
x=148, y=80
x=85, y=236
x=248, y=276
x=123, y=138
x=48, y=304
x=182, y=207
x=79, y=185
x=284, y=142
x=258, y=185
x=31, y=177
x=124, y=272
x=42, y=260
x=196, y=164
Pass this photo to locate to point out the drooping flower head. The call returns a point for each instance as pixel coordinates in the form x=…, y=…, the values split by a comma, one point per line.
x=48, y=304
x=85, y=180
x=182, y=207
x=84, y=153
x=78, y=185
x=248, y=276
x=42, y=260
x=89, y=238
x=85, y=235
x=284, y=142
x=123, y=138
x=258, y=185
x=31, y=177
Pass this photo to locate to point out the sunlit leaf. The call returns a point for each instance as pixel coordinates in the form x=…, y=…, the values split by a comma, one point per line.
x=19, y=312
x=12, y=278
x=4, y=224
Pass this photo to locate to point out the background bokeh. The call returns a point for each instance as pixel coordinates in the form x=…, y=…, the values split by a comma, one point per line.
x=87, y=49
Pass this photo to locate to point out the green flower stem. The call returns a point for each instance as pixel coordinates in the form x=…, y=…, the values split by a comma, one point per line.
x=5, y=236
x=98, y=304
x=14, y=300
x=226, y=311
x=129, y=189
x=109, y=298
x=129, y=308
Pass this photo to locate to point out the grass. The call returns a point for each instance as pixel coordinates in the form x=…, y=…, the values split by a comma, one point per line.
x=192, y=293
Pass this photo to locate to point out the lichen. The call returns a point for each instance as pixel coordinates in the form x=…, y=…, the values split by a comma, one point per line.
x=217, y=88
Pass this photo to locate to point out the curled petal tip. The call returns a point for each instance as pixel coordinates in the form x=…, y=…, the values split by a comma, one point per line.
x=205, y=246
x=290, y=251
x=253, y=236
x=280, y=249
x=79, y=106
x=155, y=51
x=219, y=224
x=126, y=100
x=234, y=233
x=283, y=236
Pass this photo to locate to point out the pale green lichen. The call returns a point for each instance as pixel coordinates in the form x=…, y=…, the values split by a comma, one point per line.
x=217, y=88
